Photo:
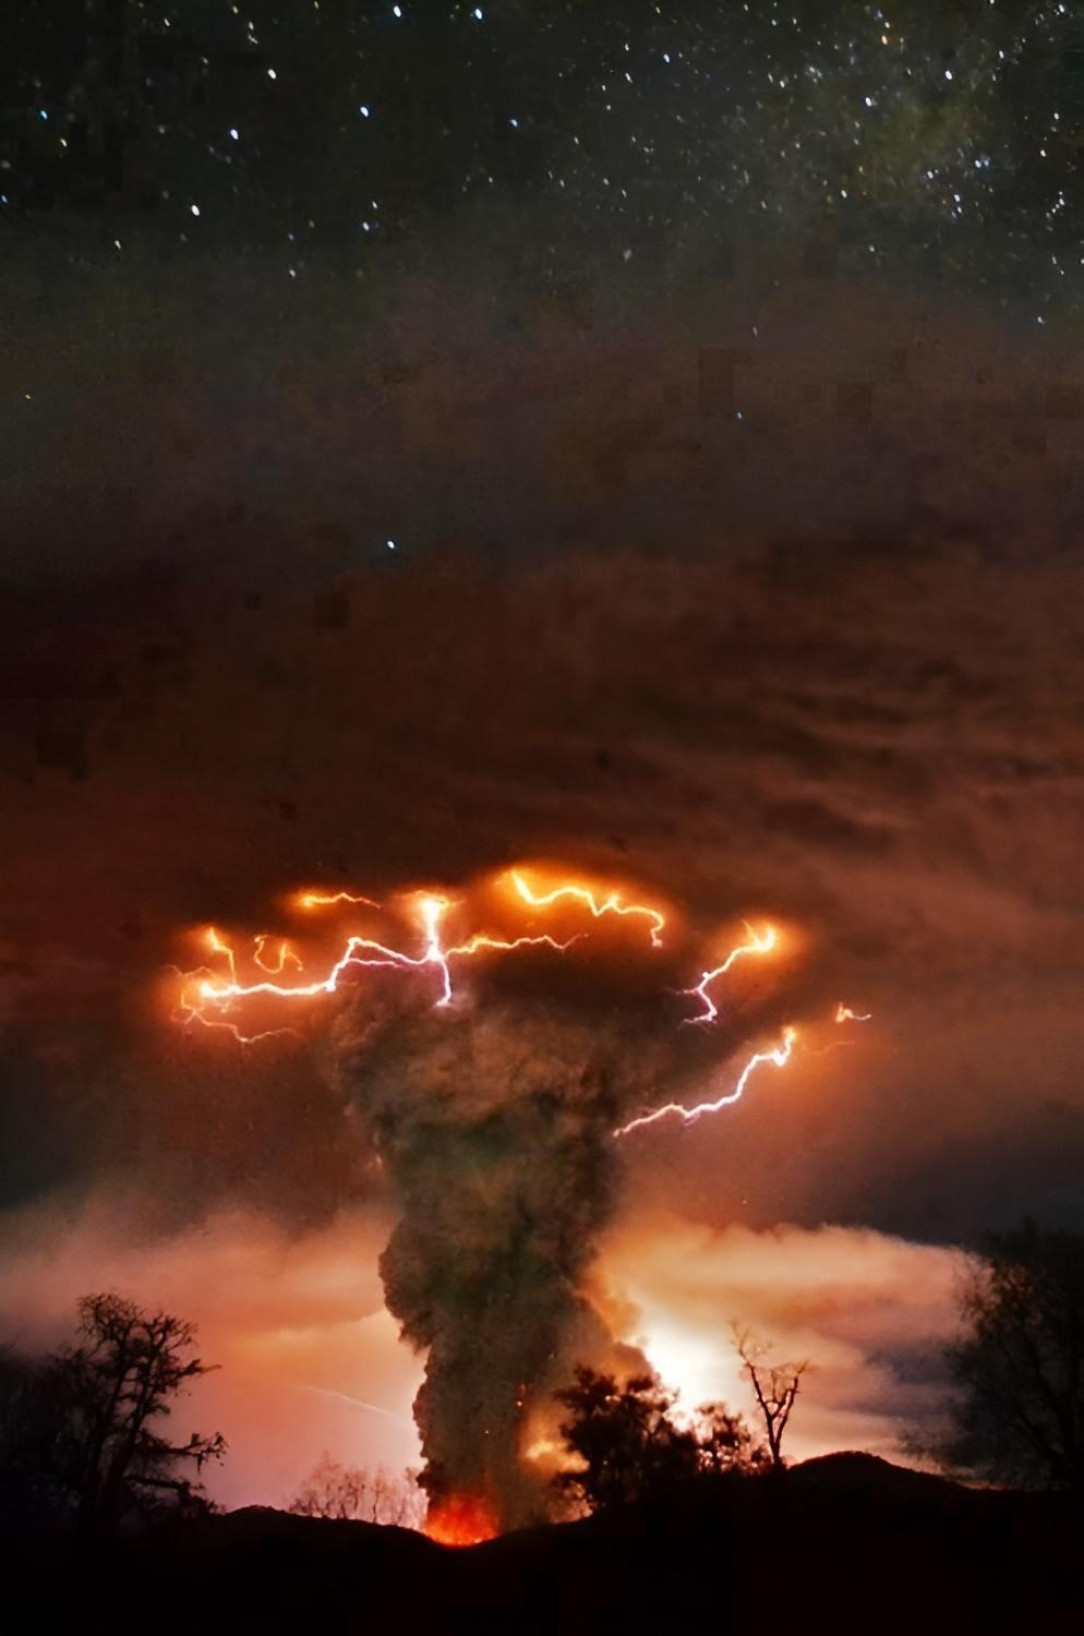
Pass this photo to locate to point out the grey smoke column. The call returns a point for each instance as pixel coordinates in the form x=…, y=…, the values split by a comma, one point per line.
x=493, y=1120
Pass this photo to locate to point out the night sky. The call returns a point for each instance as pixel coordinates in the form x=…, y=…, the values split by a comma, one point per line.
x=917, y=133
x=640, y=437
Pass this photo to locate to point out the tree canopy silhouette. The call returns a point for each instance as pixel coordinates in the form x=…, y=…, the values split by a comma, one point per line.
x=629, y=1447
x=726, y=1444
x=360, y=1495
x=624, y=1438
x=81, y=1432
x=1019, y=1363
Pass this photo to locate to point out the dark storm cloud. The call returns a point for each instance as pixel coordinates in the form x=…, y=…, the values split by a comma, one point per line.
x=867, y=727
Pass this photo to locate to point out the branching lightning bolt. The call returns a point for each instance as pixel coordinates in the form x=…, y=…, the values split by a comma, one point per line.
x=581, y=894
x=778, y=1057
x=358, y=951
x=217, y=946
x=761, y=943
x=221, y=993
x=285, y=954
x=203, y=991
x=501, y=945
x=324, y=900
x=192, y=1016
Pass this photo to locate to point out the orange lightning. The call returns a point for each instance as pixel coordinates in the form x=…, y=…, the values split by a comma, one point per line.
x=845, y=1014
x=779, y=1058
x=285, y=954
x=191, y=1012
x=761, y=944
x=216, y=946
x=322, y=900
x=431, y=910
x=482, y=940
x=207, y=996
x=359, y=951
x=196, y=1016
x=609, y=906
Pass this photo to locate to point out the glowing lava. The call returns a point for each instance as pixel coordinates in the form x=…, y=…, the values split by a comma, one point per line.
x=462, y=1519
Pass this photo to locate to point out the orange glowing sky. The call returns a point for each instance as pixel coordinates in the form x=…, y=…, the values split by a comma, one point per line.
x=285, y=989
x=844, y=705
x=311, y=1361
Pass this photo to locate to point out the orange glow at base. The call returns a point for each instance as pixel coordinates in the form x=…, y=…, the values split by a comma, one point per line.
x=462, y=1519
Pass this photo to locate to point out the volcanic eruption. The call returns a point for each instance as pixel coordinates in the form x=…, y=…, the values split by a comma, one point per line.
x=491, y=1065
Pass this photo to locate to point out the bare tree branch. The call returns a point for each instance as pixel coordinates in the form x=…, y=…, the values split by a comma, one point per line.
x=775, y=1387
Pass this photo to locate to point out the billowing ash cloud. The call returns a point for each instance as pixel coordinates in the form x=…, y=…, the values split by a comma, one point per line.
x=494, y=1122
x=821, y=663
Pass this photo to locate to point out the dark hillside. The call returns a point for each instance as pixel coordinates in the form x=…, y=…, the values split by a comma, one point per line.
x=846, y=1544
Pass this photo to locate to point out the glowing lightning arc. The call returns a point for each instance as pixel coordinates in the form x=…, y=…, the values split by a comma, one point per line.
x=285, y=954
x=203, y=990
x=190, y=1014
x=322, y=900
x=609, y=906
x=845, y=1014
x=359, y=951
x=217, y=946
x=209, y=992
x=502, y=945
x=432, y=908
x=779, y=1057
x=757, y=944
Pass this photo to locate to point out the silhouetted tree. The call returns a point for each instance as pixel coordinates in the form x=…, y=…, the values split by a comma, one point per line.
x=15, y=1372
x=81, y=1429
x=725, y=1443
x=775, y=1387
x=1019, y=1364
x=630, y=1448
x=24, y=1488
x=334, y=1490
x=624, y=1438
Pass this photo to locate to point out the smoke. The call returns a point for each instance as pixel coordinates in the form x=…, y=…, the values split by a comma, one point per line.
x=872, y=1313
x=493, y=1122
x=794, y=661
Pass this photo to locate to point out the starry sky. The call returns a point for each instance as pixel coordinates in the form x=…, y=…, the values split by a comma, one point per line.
x=643, y=435
x=938, y=135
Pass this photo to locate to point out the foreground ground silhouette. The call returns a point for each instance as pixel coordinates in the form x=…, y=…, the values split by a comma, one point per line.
x=843, y=1544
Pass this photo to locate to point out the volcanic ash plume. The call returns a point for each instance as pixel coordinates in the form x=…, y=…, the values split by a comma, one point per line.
x=494, y=1125
x=493, y=1076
